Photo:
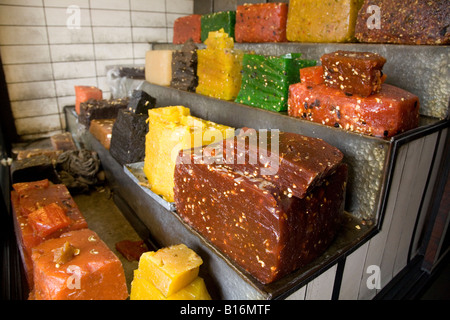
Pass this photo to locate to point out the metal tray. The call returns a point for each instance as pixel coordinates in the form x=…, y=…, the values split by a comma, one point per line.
x=136, y=173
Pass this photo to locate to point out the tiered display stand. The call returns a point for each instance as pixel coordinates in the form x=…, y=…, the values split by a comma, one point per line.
x=389, y=194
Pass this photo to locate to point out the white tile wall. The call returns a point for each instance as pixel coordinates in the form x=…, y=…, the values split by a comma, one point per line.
x=14, y=16
x=110, y=18
x=24, y=54
x=49, y=46
x=28, y=72
x=64, y=35
x=18, y=35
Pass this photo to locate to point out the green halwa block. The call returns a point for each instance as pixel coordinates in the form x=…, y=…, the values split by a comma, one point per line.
x=266, y=79
x=225, y=20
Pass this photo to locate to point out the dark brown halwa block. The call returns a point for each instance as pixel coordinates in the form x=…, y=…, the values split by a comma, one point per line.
x=404, y=22
x=140, y=102
x=264, y=230
x=100, y=109
x=63, y=141
x=128, y=137
x=34, y=168
x=353, y=72
x=184, y=67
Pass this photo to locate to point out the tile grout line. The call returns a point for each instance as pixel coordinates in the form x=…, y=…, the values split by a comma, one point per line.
x=61, y=124
x=93, y=43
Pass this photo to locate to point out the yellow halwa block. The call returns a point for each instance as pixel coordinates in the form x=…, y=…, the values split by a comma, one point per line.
x=219, y=67
x=219, y=40
x=143, y=289
x=158, y=67
x=172, y=129
x=170, y=269
x=322, y=21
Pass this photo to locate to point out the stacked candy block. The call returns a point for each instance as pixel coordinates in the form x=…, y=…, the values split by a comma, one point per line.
x=58, y=250
x=169, y=274
x=130, y=128
x=266, y=80
x=348, y=92
x=42, y=211
x=219, y=67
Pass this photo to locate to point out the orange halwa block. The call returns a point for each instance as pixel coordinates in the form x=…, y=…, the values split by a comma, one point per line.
x=48, y=219
x=187, y=27
x=322, y=21
x=42, y=211
x=77, y=266
x=101, y=129
x=311, y=75
x=384, y=114
x=84, y=93
x=261, y=22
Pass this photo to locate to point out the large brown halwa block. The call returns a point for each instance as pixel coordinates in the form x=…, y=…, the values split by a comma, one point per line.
x=264, y=228
x=404, y=22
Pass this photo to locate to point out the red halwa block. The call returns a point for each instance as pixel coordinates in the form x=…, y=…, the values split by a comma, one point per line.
x=89, y=270
x=384, y=114
x=84, y=93
x=353, y=72
x=29, y=197
x=264, y=229
x=187, y=27
x=131, y=250
x=262, y=22
x=48, y=219
x=311, y=75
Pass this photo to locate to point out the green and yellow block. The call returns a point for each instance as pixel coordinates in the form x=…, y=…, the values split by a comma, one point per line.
x=266, y=79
